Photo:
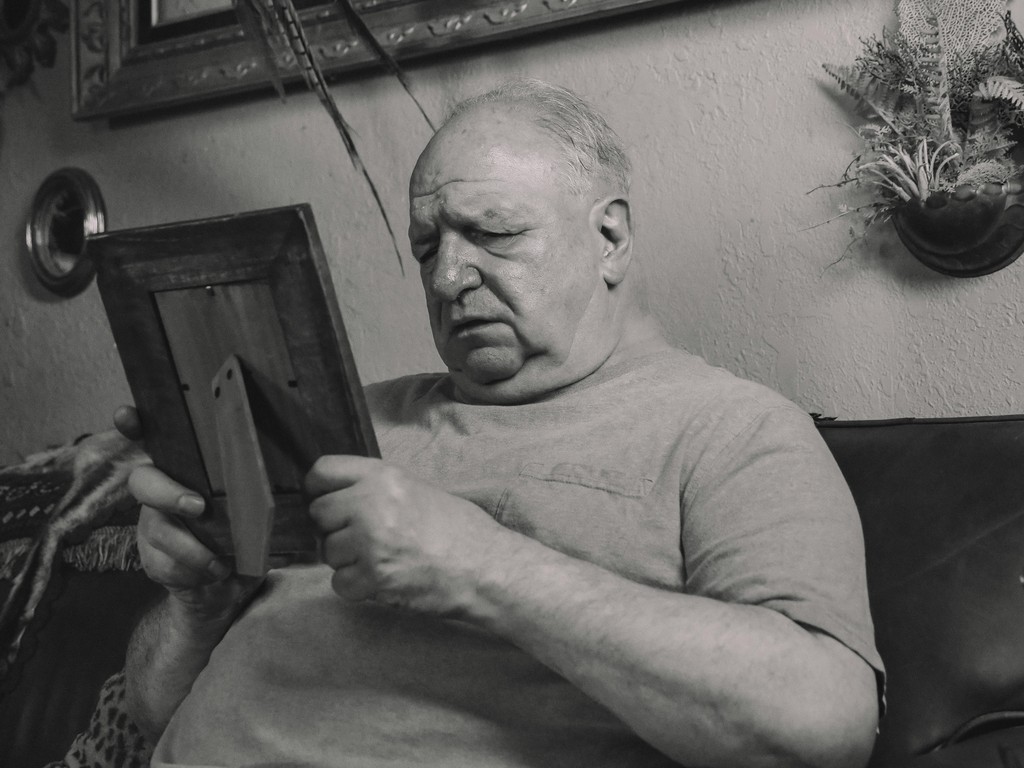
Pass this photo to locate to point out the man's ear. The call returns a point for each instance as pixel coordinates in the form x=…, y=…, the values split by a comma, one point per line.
x=616, y=227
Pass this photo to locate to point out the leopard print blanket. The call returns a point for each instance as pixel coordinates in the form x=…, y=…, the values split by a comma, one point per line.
x=112, y=740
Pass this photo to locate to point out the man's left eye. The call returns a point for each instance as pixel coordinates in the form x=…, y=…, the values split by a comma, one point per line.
x=487, y=237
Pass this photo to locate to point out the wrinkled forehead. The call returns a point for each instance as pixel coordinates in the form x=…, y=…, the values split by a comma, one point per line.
x=488, y=142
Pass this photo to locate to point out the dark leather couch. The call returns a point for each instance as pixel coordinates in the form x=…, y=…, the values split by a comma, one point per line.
x=942, y=503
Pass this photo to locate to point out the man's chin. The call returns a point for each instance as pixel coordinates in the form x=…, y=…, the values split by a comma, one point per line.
x=490, y=381
x=502, y=376
x=483, y=376
x=499, y=388
x=487, y=365
x=500, y=392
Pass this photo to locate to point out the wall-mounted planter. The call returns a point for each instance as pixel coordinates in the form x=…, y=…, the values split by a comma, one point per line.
x=970, y=232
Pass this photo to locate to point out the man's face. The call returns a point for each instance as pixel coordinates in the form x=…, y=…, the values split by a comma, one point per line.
x=509, y=259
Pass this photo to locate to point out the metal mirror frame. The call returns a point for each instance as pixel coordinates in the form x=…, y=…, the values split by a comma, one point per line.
x=68, y=190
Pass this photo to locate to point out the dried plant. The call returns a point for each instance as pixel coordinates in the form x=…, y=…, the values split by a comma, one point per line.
x=272, y=25
x=944, y=96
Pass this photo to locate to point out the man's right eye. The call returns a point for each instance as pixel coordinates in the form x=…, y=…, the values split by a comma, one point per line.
x=423, y=255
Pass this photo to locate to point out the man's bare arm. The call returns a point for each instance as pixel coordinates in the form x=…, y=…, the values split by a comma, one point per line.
x=173, y=642
x=706, y=682
x=168, y=650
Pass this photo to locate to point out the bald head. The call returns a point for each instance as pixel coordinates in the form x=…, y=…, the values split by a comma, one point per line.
x=589, y=148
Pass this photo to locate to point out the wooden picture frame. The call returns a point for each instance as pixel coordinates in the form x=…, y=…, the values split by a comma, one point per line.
x=184, y=300
x=125, y=60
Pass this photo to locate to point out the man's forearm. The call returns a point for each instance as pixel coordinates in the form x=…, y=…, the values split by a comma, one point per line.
x=168, y=650
x=706, y=682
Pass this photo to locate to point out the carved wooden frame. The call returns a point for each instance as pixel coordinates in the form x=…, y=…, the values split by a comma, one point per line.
x=114, y=74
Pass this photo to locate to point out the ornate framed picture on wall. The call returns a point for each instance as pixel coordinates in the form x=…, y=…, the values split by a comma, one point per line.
x=131, y=56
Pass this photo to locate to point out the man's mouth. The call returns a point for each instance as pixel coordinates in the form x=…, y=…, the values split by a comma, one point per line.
x=470, y=324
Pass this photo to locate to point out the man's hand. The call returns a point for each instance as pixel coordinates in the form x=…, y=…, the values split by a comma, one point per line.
x=171, y=555
x=395, y=539
x=172, y=643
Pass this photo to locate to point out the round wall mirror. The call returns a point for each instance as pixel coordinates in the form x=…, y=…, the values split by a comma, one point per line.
x=67, y=208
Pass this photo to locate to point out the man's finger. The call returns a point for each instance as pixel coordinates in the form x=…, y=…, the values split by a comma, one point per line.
x=341, y=549
x=153, y=488
x=329, y=512
x=334, y=473
x=180, y=570
x=170, y=536
x=352, y=583
x=127, y=422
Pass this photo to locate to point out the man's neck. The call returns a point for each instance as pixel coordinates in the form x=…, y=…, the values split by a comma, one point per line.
x=640, y=336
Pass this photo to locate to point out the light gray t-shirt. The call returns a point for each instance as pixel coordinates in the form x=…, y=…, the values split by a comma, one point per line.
x=662, y=469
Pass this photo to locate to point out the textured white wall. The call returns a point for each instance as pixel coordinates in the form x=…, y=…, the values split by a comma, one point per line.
x=730, y=123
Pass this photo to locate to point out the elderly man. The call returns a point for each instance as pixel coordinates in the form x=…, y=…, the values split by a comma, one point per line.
x=582, y=547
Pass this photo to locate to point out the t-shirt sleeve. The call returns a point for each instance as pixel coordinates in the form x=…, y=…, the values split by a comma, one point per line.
x=769, y=520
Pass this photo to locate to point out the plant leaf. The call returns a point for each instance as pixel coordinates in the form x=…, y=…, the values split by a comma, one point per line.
x=873, y=97
x=359, y=27
x=935, y=94
x=259, y=26
x=314, y=77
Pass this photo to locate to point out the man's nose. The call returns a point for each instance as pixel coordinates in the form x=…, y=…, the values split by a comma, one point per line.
x=455, y=270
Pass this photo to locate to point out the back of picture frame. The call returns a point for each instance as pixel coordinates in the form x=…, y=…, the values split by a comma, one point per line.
x=193, y=304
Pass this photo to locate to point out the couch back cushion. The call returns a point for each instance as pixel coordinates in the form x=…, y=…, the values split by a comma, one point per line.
x=942, y=505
